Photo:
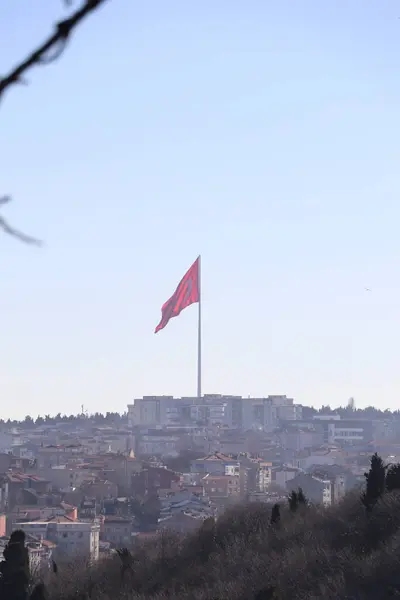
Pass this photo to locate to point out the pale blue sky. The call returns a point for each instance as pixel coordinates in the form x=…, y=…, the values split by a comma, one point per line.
x=263, y=135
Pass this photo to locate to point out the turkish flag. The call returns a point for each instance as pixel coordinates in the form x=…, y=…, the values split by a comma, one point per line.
x=187, y=293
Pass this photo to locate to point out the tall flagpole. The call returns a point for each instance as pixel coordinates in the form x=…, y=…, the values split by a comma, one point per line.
x=199, y=336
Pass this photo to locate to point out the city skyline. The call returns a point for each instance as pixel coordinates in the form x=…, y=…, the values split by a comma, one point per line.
x=264, y=139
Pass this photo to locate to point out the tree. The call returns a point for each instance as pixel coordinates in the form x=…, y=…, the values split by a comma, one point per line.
x=28, y=422
x=293, y=502
x=297, y=499
x=147, y=512
x=14, y=569
x=393, y=478
x=39, y=592
x=375, y=482
x=126, y=561
x=302, y=498
x=275, y=514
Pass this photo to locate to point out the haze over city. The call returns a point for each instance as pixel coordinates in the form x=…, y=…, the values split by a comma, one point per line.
x=263, y=137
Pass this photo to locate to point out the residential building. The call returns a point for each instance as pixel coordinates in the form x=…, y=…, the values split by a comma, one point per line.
x=72, y=538
x=13, y=485
x=304, y=459
x=281, y=475
x=221, y=486
x=117, y=530
x=216, y=464
x=349, y=432
x=342, y=479
x=152, y=479
x=39, y=553
x=181, y=522
x=264, y=475
x=234, y=412
x=292, y=438
x=151, y=411
x=158, y=443
x=318, y=491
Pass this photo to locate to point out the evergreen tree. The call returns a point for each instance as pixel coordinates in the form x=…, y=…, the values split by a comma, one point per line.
x=302, y=498
x=297, y=499
x=393, y=478
x=275, y=514
x=14, y=569
x=293, y=501
x=39, y=592
x=375, y=482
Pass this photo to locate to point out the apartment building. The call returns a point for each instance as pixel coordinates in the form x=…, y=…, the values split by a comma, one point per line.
x=72, y=538
x=233, y=412
x=336, y=430
x=117, y=530
x=151, y=411
x=318, y=491
x=219, y=487
x=216, y=464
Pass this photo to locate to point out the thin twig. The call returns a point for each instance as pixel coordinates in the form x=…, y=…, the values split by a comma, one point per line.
x=41, y=56
x=55, y=41
x=14, y=232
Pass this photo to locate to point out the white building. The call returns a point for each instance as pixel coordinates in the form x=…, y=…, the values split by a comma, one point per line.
x=72, y=538
x=346, y=434
x=151, y=411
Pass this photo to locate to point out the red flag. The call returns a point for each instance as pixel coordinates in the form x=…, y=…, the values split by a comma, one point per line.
x=187, y=293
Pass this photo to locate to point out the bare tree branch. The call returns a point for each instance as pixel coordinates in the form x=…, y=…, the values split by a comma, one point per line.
x=14, y=232
x=48, y=52
x=56, y=41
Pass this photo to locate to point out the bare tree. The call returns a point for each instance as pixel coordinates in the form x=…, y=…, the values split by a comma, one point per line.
x=49, y=51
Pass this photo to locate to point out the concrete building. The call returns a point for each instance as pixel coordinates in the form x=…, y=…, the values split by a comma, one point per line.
x=220, y=487
x=349, y=432
x=117, y=530
x=318, y=491
x=151, y=411
x=264, y=476
x=216, y=464
x=295, y=439
x=234, y=412
x=72, y=538
x=344, y=432
x=281, y=475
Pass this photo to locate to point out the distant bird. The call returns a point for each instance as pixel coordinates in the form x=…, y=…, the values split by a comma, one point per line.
x=367, y=289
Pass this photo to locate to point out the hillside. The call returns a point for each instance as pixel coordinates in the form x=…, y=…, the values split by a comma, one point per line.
x=342, y=552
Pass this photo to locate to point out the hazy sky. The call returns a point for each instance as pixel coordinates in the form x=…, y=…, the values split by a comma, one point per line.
x=264, y=136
